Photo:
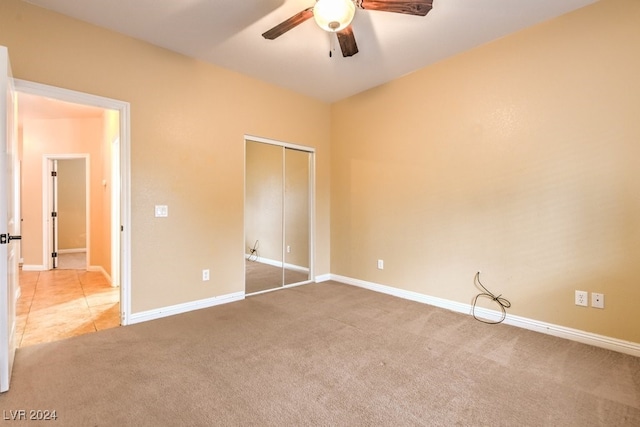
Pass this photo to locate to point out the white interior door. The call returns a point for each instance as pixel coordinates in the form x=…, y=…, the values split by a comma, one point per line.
x=8, y=214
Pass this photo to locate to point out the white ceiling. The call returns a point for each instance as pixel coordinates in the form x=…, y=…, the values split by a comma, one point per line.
x=38, y=107
x=228, y=33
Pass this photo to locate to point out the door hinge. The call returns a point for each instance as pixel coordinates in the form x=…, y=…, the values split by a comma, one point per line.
x=54, y=254
x=54, y=214
x=54, y=173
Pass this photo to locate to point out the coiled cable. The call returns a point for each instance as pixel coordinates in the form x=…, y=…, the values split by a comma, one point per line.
x=502, y=302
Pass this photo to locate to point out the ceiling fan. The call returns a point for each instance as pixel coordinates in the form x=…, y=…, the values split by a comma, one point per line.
x=336, y=15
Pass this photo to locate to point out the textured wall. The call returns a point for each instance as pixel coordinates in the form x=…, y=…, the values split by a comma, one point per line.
x=60, y=137
x=518, y=158
x=188, y=121
x=72, y=204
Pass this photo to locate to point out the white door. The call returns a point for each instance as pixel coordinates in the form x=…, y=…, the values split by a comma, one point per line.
x=8, y=213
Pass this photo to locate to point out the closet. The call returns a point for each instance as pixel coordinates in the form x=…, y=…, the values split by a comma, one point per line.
x=278, y=213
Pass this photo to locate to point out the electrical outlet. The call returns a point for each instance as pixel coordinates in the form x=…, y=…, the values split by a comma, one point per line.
x=205, y=275
x=288, y=249
x=380, y=264
x=581, y=298
x=597, y=300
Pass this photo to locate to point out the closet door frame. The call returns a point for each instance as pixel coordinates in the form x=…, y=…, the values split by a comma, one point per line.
x=312, y=198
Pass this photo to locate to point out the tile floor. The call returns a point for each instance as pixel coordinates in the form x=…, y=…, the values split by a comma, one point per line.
x=59, y=304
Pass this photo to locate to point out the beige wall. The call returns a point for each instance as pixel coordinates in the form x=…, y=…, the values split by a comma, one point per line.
x=263, y=200
x=47, y=137
x=188, y=121
x=72, y=204
x=296, y=207
x=518, y=158
x=101, y=254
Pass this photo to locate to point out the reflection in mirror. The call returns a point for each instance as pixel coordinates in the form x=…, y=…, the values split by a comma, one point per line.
x=277, y=216
x=263, y=217
x=296, y=216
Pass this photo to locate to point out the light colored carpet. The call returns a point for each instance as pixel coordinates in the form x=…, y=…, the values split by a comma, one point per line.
x=261, y=277
x=72, y=261
x=325, y=354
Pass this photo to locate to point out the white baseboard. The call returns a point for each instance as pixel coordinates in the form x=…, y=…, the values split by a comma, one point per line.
x=596, y=340
x=72, y=251
x=29, y=267
x=323, y=278
x=297, y=268
x=158, y=313
x=279, y=264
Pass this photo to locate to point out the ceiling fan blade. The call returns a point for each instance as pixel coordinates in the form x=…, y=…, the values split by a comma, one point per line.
x=288, y=24
x=410, y=7
x=347, y=42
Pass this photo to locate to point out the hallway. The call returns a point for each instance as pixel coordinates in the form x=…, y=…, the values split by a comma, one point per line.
x=59, y=304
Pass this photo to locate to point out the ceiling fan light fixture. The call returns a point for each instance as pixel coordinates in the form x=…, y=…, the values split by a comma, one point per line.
x=334, y=15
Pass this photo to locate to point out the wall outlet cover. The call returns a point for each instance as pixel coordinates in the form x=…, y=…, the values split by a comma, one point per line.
x=597, y=300
x=582, y=298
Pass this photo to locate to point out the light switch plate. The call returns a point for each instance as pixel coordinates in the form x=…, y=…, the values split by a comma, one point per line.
x=162, y=211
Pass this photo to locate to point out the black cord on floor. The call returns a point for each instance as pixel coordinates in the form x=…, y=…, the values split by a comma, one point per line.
x=502, y=302
x=253, y=252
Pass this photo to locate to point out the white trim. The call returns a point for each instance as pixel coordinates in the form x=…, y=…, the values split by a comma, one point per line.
x=264, y=291
x=298, y=268
x=296, y=284
x=279, y=288
x=124, y=110
x=279, y=264
x=47, y=203
x=323, y=278
x=30, y=267
x=115, y=212
x=159, y=313
x=125, y=213
x=278, y=143
x=267, y=261
x=589, y=338
x=72, y=251
x=312, y=215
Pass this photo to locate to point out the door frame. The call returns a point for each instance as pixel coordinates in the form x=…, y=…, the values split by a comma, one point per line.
x=123, y=223
x=47, y=199
x=312, y=203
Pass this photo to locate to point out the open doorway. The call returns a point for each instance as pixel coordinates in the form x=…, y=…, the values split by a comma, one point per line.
x=70, y=216
x=68, y=199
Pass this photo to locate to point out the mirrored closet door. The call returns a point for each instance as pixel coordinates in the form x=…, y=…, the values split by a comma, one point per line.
x=278, y=202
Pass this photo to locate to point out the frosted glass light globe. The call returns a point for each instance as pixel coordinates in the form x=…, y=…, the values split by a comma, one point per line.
x=334, y=15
